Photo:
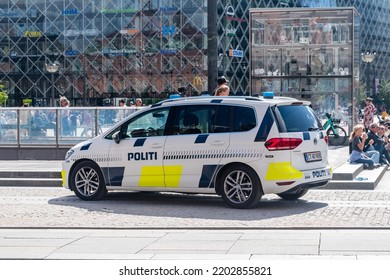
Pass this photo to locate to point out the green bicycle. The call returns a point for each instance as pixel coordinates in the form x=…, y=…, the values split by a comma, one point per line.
x=336, y=134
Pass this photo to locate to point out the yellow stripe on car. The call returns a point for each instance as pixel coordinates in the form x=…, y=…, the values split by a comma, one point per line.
x=173, y=175
x=282, y=171
x=63, y=176
x=153, y=176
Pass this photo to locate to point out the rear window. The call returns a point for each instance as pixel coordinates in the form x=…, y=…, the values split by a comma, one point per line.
x=296, y=118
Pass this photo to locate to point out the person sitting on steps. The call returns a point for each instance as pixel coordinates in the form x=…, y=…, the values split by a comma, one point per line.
x=377, y=144
x=370, y=159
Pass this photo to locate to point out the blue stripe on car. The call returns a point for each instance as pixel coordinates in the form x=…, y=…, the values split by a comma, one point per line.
x=139, y=142
x=113, y=175
x=85, y=147
x=201, y=139
x=207, y=176
x=265, y=127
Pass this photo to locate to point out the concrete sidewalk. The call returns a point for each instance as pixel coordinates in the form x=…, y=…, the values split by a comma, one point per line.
x=338, y=155
x=193, y=244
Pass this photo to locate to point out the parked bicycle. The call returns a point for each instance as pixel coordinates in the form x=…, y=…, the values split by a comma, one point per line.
x=336, y=134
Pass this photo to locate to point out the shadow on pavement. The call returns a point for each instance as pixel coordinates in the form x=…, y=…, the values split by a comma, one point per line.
x=156, y=204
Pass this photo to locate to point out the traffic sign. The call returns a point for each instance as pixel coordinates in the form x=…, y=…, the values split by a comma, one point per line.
x=236, y=53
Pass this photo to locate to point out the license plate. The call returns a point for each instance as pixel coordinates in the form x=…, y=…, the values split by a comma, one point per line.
x=313, y=156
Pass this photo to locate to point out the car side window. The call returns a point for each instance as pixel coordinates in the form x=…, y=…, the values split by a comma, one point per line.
x=146, y=125
x=192, y=119
x=220, y=121
x=149, y=124
x=244, y=119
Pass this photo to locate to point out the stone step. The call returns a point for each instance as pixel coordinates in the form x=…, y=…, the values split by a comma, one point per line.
x=29, y=174
x=365, y=180
x=347, y=171
x=30, y=182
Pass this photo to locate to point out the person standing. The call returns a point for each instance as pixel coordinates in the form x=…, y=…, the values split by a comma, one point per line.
x=121, y=112
x=221, y=81
x=138, y=102
x=222, y=91
x=65, y=120
x=368, y=113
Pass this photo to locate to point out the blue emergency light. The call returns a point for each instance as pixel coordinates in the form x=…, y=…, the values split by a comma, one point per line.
x=268, y=94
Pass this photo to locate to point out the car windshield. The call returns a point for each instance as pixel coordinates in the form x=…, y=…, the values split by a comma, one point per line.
x=296, y=118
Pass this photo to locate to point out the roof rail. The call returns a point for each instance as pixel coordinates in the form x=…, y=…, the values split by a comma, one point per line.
x=246, y=97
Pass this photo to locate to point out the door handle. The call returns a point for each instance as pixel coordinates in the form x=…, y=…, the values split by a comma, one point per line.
x=156, y=146
x=217, y=143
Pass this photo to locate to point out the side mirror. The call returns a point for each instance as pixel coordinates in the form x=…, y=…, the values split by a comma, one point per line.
x=117, y=137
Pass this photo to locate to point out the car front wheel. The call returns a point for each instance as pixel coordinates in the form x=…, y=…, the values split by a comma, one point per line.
x=87, y=181
x=240, y=186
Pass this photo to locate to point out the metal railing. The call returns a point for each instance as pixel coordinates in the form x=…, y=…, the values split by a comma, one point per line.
x=56, y=127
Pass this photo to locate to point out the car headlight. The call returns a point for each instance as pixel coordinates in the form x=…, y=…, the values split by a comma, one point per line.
x=68, y=154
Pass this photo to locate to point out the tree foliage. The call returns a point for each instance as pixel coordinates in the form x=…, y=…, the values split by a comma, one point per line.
x=384, y=93
x=3, y=94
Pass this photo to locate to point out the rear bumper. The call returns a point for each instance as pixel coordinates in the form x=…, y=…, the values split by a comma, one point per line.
x=289, y=180
x=305, y=186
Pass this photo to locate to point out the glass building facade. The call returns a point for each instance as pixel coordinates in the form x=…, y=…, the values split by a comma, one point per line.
x=374, y=23
x=147, y=48
x=307, y=54
x=104, y=49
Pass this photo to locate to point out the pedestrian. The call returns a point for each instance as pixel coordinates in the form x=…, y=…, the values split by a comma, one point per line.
x=65, y=120
x=382, y=145
x=222, y=91
x=221, y=81
x=122, y=103
x=121, y=112
x=368, y=115
x=358, y=137
x=356, y=111
x=138, y=102
x=87, y=124
x=74, y=123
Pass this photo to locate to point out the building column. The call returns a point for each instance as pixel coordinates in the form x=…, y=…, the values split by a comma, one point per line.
x=212, y=48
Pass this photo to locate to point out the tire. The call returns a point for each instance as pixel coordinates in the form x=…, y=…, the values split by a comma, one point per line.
x=338, y=138
x=240, y=187
x=87, y=181
x=293, y=196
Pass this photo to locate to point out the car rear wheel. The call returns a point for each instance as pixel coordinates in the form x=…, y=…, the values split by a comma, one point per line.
x=293, y=195
x=240, y=186
x=87, y=182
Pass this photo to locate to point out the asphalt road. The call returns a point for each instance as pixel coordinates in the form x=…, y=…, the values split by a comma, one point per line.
x=60, y=208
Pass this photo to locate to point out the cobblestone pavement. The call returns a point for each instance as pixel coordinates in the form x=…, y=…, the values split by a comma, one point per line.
x=60, y=208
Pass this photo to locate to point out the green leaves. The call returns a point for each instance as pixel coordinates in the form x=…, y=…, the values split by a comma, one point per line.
x=3, y=94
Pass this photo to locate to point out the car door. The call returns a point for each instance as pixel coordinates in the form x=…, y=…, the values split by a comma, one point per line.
x=137, y=160
x=195, y=145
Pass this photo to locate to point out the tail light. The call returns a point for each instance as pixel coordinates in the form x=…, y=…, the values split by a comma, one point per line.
x=276, y=144
x=326, y=138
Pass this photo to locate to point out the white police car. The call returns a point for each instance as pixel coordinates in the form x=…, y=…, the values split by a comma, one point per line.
x=238, y=147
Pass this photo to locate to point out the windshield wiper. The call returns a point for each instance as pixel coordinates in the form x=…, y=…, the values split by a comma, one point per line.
x=313, y=128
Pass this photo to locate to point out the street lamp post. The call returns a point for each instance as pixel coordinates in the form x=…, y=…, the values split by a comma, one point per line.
x=368, y=57
x=52, y=68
